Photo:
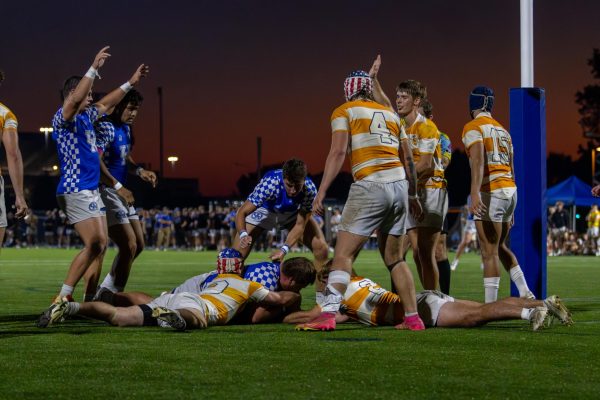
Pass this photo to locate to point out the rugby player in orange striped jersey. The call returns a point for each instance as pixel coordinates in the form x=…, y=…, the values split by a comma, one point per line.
x=368, y=303
x=493, y=192
x=9, y=138
x=424, y=139
x=372, y=135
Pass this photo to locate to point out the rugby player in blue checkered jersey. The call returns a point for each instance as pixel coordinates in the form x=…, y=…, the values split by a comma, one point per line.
x=283, y=197
x=77, y=192
x=114, y=142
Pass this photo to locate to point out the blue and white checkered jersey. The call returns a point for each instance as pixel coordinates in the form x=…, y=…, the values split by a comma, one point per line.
x=265, y=273
x=77, y=153
x=270, y=193
x=115, y=142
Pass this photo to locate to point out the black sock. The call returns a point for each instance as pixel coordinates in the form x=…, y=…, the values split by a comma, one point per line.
x=444, y=270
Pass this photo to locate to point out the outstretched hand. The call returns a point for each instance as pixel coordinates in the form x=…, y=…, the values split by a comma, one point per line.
x=148, y=176
x=100, y=58
x=375, y=67
x=141, y=72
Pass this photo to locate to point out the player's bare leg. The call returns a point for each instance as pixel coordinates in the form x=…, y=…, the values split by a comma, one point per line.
x=489, y=238
x=92, y=274
x=427, y=241
x=466, y=314
x=2, y=232
x=441, y=259
x=391, y=248
x=511, y=264
x=413, y=238
x=125, y=238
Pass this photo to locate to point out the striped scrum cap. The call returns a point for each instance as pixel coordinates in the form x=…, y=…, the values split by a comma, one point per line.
x=356, y=82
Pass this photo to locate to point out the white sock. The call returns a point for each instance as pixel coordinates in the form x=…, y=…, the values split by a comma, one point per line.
x=490, y=286
x=525, y=313
x=72, y=308
x=66, y=290
x=334, y=297
x=109, y=283
x=518, y=278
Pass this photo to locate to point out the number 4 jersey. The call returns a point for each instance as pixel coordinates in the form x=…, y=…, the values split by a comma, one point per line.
x=375, y=133
x=498, y=153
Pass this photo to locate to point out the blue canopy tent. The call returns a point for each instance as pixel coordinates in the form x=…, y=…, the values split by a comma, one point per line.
x=572, y=192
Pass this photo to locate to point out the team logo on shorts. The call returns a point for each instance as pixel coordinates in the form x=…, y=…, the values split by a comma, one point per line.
x=121, y=215
x=93, y=206
x=258, y=216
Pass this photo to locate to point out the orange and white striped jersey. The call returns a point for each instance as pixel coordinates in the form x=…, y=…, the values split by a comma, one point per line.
x=424, y=138
x=375, y=133
x=227, y=294
x=367, y=302
x=497, y=169
x=7, y=118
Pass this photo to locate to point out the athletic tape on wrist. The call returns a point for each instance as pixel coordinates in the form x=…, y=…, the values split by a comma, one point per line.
x=285, y=248
x=243, y=234
x=117, y=186
x=126, y=87
x=92, y=73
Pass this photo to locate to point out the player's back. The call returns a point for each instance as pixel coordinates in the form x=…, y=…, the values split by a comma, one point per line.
x=226, y=295
x=375, y=133
x=498, y=152
x=370, y=304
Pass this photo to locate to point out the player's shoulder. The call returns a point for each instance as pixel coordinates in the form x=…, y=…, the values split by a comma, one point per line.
x=4, y=110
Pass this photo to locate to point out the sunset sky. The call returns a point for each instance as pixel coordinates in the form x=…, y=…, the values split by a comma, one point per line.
x=234, y=70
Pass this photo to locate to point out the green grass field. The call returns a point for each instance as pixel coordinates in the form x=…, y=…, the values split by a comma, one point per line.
x=85, y=359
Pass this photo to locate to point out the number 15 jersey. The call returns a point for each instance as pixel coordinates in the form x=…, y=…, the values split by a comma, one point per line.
x=375, y=133
x=497, y=154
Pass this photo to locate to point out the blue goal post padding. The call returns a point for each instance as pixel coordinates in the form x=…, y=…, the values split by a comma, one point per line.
x=528, y=235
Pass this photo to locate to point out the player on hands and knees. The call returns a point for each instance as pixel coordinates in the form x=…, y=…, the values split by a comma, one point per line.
x=372, y=135
x=114, y=141
x=283, y=196
x=10, y=139
x=77, y=192
x=493, y=192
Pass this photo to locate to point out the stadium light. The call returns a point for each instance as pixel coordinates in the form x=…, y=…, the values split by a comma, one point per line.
x=46, y=130
x=172, y=160
x=55, y=168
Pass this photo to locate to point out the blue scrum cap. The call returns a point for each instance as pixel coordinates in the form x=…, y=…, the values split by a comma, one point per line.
x=481, y=98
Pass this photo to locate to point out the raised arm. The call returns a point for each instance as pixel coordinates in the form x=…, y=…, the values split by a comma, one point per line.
x=109, y=101
x=10, y=140
x=378, y=93
x=293, y=236
x=333, y=164
x=74, y=100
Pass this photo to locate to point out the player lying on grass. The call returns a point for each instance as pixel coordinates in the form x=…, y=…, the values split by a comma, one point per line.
x=216, y=304
x=367, y=302
x=293, y=275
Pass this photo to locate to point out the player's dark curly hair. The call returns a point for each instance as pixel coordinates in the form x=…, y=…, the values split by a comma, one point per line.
x=70, y=84
x=415, y=88
x=300, y=269
x=364, y=94
x=294, y=170
x=134, y=97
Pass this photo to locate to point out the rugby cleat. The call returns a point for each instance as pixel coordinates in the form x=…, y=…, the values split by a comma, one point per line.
x=324, y=322
x=169, y=318
x=538, y=317
x=558, y=310
x=104, y=295
x=413, y=323
x=55, y=313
